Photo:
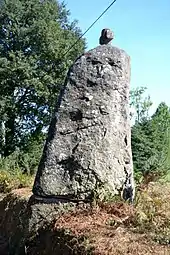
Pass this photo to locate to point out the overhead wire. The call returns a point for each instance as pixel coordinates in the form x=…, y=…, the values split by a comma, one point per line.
x=89, y=28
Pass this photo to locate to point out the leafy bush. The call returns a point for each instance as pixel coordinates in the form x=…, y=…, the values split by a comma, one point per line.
x=25, y=160
x=153, y=212
x=16, y=170
x=15, y=180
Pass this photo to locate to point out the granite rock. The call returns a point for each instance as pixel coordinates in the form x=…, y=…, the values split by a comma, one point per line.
x=89, y=141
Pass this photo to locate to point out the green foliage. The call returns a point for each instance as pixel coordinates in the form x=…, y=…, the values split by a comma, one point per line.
x=14, y=180
x=150, y=136
x=16, y=170
x=34, y=35
x=152, y=213
x=140, y=103
x=102, y=193
x=25, y=160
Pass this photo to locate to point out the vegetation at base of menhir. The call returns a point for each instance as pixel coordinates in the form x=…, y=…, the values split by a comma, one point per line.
x=150, y=136
x=34, y=36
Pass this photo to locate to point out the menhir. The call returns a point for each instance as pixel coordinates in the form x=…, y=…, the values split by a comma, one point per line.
x=88, y=148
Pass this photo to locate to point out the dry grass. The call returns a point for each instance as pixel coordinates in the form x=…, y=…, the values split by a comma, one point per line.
x=118, y=228
x=16, y=180
x=22, y=192
x=153, y=212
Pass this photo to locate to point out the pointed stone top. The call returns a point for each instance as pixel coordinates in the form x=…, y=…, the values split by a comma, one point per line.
x=106, y=36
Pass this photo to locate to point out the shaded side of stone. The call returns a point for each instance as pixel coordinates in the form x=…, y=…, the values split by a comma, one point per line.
x=45, y=211
x=24, y=221
x=13, y=222
x=89, y=145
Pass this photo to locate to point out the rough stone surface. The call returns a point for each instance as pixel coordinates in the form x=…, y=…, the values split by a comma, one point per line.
x=13, y=222
x=88, y=148
x=23, y=219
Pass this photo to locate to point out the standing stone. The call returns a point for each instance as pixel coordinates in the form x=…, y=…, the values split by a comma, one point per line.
x=89, y=142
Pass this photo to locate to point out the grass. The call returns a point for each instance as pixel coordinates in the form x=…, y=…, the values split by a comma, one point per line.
x=106, y=228
x=153, y=212
x=14, y=180
x=119, y=228
x=112, y=227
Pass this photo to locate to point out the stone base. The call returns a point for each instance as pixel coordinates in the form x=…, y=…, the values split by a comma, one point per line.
x=23, y=216
x=43, y=211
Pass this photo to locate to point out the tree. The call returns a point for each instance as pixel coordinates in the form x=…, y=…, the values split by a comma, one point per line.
x=161, y=130
x=34, y=36
x=150, y=142
x=139, y=104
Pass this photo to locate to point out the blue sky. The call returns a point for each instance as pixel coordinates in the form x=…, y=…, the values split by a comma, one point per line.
x=142, y=29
